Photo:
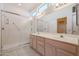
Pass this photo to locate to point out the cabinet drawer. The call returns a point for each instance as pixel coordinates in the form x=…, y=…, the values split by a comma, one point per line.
x=61, y=52
x=40, y=38
x=40, y=43
x=50, y=50
x=66, y=46
x=32, y=37
x=40, y=49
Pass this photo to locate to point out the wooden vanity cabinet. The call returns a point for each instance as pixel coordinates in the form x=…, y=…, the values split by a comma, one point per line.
x=61, y=52
x=33, y=41
x=78, y=50
x=40, y=45
x=49, y=50
x=62, y=48
x=52, y=47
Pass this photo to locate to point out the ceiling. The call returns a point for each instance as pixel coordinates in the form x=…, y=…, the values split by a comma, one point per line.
x=28, y=7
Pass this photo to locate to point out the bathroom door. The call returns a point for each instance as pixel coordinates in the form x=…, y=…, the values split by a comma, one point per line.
x=61, y=25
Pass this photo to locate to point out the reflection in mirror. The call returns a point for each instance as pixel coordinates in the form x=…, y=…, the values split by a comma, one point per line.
x=62, y=25
x=63, y=19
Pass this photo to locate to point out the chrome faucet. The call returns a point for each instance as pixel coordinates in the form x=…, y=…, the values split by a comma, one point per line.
x=61, y=36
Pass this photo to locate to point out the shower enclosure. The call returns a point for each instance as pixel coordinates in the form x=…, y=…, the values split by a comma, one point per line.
x=14, y=29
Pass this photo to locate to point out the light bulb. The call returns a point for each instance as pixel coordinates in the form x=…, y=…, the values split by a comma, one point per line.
x=19, y=4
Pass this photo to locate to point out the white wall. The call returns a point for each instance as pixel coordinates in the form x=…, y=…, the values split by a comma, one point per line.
x=52, y=19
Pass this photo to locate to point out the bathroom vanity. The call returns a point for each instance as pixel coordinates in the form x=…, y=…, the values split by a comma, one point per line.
x=55, y=44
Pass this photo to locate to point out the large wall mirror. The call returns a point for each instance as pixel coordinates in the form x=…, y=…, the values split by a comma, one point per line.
x=64, y=20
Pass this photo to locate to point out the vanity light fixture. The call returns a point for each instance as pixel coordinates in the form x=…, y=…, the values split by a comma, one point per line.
x=57, y=4
x=19, y=4
x=60, y=4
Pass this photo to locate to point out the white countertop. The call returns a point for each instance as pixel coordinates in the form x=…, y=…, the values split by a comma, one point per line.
x=74, y=39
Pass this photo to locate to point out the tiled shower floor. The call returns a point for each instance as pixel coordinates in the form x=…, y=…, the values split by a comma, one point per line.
x=22, y=51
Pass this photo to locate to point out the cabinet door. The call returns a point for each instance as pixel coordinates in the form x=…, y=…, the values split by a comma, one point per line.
x=31, y=40
x=49, y=50
x=34, y=42
x=40, y=45
x=40, y=49
x=61, y=52
x=78, y=50
x=62, y=45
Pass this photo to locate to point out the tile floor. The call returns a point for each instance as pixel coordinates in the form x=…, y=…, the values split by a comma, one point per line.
x=22, y=51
